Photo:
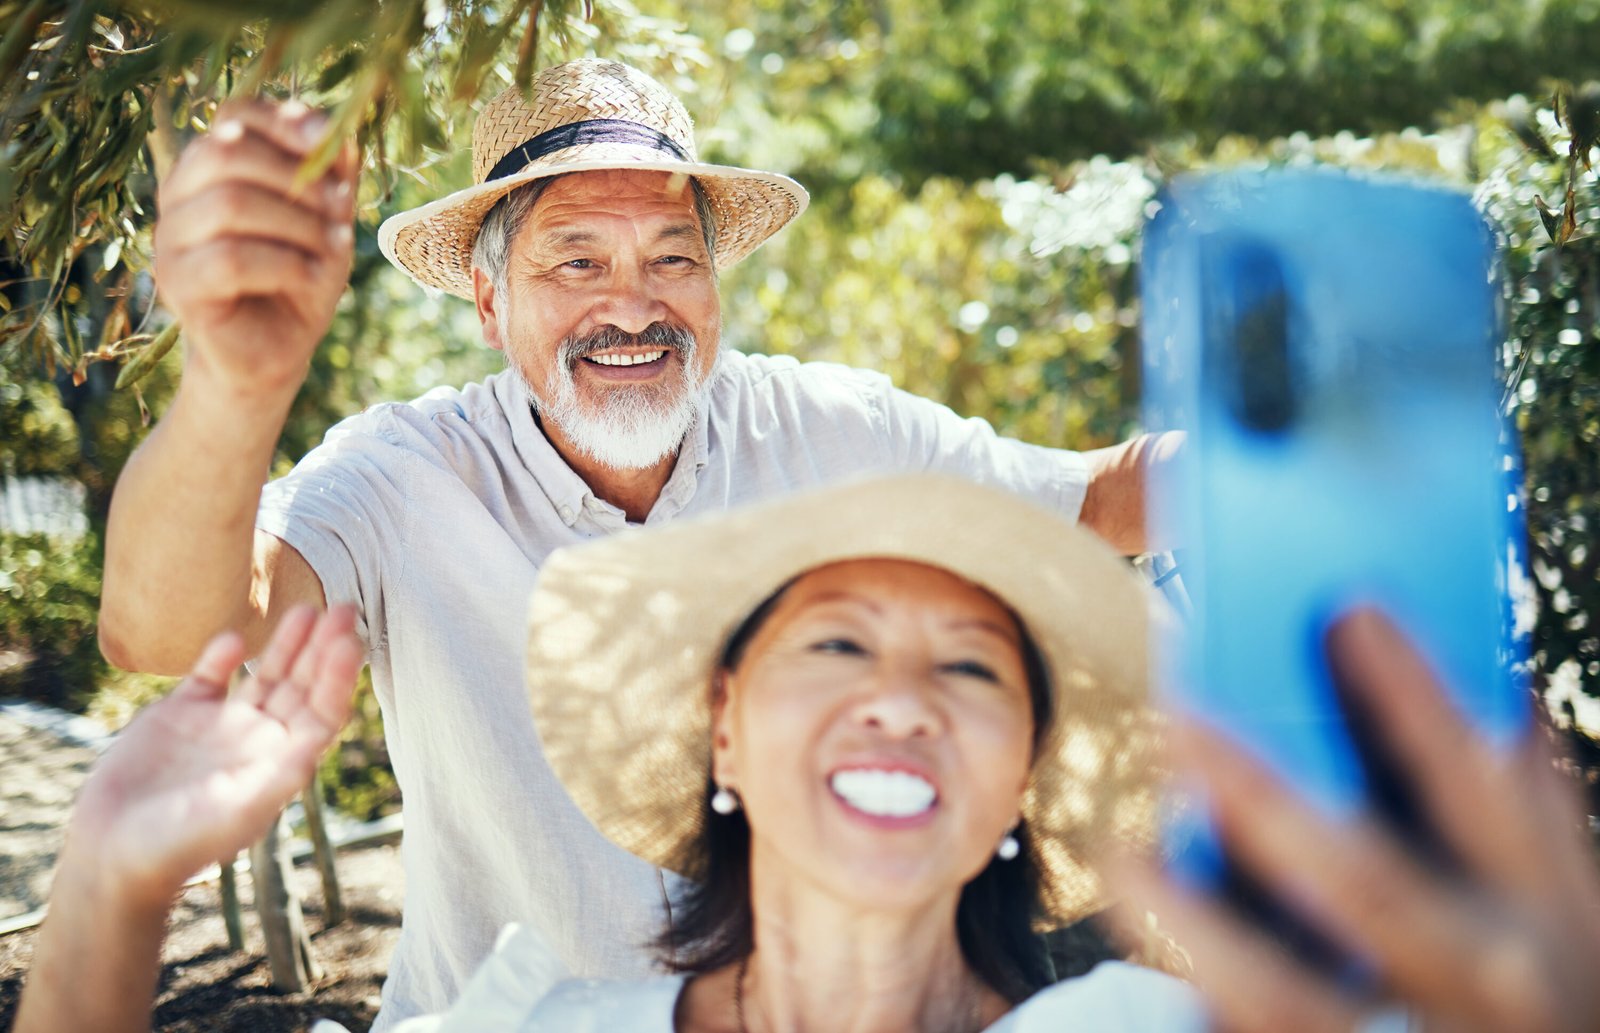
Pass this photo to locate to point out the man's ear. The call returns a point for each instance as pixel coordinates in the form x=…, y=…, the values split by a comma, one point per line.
x=483, y=294
x=723, y=769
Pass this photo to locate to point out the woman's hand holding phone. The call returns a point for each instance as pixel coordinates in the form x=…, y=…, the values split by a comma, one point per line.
x=1506, y=941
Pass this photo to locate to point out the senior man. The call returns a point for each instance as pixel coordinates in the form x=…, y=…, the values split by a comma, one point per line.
x=590, y=243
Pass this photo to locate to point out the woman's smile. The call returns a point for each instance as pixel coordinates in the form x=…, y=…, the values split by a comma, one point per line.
x=885, y=796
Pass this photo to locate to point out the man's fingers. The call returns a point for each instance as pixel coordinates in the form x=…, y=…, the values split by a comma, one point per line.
x=237, y=267
x=254, y=161
x=291, y=125
x=1253, y=987
x=1463, y=781
x=236, y=209
x=220, y=658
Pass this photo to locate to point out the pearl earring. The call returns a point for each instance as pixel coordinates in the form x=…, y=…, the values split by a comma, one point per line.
x=723, y=801
x=1009, y=848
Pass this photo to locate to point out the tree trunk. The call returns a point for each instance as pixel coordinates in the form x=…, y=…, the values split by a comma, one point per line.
x=294, y=967
x=230, y=903
x=316, y=825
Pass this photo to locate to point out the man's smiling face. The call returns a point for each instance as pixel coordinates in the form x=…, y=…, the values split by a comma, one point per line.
x=609, y=313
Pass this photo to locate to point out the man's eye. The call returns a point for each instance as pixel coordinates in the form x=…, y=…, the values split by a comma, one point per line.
x=675, y=260
x=579, y=263
x=839, y=646
x=972, y=669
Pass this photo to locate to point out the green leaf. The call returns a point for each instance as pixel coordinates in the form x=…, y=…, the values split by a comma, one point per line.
x=18, y=38
x=340, y=69
x=1583, y=118
x=1552, y=220
x=141, y=364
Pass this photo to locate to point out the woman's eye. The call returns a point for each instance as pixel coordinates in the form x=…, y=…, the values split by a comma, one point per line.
x=839, y=646
x=973, y=669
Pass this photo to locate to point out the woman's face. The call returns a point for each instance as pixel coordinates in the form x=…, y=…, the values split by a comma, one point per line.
x=879, y=731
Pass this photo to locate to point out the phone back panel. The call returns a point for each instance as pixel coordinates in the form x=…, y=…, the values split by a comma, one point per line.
x=1330, y=343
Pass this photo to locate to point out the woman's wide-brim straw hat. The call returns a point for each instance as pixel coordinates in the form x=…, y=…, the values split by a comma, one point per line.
x=584, y=116
x=626, y=633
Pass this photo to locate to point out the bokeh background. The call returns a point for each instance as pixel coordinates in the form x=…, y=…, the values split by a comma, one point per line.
x=979, y=170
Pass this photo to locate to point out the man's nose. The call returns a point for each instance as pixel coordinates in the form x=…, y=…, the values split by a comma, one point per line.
x=629, y=303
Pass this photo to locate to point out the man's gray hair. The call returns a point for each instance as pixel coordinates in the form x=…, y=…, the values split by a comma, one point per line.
x=492, y=250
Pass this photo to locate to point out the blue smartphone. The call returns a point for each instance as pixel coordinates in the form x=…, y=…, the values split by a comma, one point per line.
x=1330, y=343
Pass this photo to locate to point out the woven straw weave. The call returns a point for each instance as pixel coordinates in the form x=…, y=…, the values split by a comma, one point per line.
x=434, y=243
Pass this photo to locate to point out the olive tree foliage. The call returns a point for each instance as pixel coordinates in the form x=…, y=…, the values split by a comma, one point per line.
x=97, y=97
x=96, y=100
x=1081, y=77
x=1540, y=185
x=977, y=88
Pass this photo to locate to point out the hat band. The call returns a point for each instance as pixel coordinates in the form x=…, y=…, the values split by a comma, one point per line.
x=595, y=130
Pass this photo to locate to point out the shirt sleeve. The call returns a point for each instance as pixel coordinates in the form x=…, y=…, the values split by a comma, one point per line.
x=502, y=993
x=1118, y=996
x=929, y=436
x=343, y=509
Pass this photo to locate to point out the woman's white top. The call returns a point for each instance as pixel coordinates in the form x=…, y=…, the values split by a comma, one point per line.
x=523, y=988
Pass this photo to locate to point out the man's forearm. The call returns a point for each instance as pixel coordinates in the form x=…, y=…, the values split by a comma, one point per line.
x=1114, y=504
x=179, y=541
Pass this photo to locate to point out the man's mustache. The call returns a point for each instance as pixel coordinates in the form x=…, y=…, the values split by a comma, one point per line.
x=606, y=338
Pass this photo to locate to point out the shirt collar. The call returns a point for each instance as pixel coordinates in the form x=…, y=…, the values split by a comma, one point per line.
x=568, y=493
x=692, y=458
x=559, y=482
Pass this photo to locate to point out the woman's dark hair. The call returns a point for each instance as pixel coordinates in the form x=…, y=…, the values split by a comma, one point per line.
x=712, y=926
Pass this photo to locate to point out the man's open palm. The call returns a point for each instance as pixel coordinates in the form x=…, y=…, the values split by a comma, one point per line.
x=202, y=773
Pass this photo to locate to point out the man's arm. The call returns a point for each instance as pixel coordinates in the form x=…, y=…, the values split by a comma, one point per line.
x=1114, y=504
x=183, y=557
x=252, y=262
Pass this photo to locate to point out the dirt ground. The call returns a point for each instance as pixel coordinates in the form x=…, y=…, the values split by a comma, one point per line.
x=206, y=987
x=40, y=773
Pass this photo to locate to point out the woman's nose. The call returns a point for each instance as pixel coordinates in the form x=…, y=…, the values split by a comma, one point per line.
x=901, y=705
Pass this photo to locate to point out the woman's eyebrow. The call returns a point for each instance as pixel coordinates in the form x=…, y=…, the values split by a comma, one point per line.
x=840, y=596
x=1000, y=630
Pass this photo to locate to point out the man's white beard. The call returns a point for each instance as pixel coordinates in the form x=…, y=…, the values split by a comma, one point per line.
x=634, y=426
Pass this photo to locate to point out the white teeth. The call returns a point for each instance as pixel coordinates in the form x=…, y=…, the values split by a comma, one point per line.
x=626, y=360
x=889, y=794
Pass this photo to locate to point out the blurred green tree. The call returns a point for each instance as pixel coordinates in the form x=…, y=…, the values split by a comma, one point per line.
x=1540, y=185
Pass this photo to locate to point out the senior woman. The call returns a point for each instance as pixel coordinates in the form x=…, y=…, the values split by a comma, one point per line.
x=880, y=728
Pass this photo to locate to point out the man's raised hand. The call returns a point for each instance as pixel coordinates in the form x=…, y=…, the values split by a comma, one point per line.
x=250, y=259
x=200, y=774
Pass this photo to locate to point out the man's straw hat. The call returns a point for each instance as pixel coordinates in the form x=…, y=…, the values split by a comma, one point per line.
x=585, y=115
x=625, y=634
